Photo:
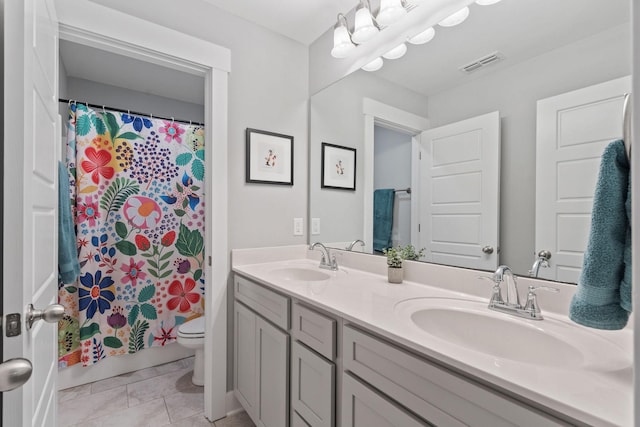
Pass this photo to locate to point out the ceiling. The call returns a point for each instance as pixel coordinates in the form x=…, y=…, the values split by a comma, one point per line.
x=518, y=29
x=301, y=20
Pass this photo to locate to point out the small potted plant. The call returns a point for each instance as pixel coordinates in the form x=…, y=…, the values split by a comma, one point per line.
x=395, y=256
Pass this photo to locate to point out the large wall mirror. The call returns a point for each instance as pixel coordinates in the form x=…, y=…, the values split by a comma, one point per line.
x=418, y=105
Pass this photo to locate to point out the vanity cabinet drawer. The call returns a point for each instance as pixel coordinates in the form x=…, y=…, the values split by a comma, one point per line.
x=267, y=303
x=312, y=386
x=364, y=407
x=315, y=330
x=433, y=393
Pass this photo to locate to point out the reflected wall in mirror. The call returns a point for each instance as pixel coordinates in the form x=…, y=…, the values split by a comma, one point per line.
x=547, y=48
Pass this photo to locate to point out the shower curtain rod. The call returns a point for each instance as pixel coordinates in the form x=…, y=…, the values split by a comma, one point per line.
x=136, y=113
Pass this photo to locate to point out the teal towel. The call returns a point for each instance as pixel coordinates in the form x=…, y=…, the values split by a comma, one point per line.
x=603, y=297
x=68, y=264
x=382, y=218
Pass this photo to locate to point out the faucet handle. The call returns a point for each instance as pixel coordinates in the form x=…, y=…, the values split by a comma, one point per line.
x=496, y=292
x=532, y=299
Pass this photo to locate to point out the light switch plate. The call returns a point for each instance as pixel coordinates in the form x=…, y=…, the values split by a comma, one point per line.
x=298, y=226
x=315, y=226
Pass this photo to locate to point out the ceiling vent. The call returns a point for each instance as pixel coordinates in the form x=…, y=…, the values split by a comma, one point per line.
x=491, y=58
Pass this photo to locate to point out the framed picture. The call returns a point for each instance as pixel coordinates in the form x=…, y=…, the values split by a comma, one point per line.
x=269, y=157
x=338, y=167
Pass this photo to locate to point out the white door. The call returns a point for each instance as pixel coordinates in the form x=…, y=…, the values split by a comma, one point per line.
x=31, y=151
x=459, y=192
x=572, y=131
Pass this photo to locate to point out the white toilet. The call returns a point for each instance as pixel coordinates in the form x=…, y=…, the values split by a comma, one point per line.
x=191, y=335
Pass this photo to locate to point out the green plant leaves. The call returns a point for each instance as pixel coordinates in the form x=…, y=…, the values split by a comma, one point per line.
x=117, y=194
x=183, y=159
x=121, y=229
x=149, y=311
x=113, y=342
x=146, y=294
x=133, y=314
x=112, y=125
x=197, y=274
x=88, y=331
x=197, y=168
x=200, y=154
x=129, y=135
x=127, y=248
x=136, y=339
x=83, y=125
x=190, y=243
x=98, y=124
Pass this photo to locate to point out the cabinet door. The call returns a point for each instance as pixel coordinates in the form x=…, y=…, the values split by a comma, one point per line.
x=244, y=358
x=312, y=386
x=363, y=407
x=273, y=374
x=298, y=421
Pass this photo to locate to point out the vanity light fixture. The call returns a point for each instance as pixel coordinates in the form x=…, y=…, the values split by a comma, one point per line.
x=365, y=29
x=342, y=44
x=423, y=37
x=390, y=12
x=374, y=65
x=396, y=52
x=455, y=19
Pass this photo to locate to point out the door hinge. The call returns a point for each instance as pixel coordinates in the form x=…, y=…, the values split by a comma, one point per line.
x=420, y=155
x=209, y=260
x=418, y=228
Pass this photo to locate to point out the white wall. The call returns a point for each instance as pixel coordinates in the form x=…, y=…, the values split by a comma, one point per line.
x=337, y=118
x=392, y=166
x=268, y=89
x=126, y=99
x=514, y=92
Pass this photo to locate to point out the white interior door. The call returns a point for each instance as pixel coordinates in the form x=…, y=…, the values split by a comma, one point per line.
x=572, y=131
x=31, y=151
x=459, y=192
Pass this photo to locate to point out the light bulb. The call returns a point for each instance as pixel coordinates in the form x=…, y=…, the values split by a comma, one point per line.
x=390, y=12
x=342, y=45
x=423, y=37
x=396, y=52
x=364, y=28
x=374, y=65
x=486, y=2
x=456, y=18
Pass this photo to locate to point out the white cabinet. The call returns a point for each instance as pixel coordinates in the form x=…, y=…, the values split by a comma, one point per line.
x=261, y=358
x=312, y=386
x=363, y=407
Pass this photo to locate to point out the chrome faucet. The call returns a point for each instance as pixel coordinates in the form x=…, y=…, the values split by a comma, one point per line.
x=541, y=261
x=352, y=244
x=513, y=298
x=327, y=261
x=531, y=309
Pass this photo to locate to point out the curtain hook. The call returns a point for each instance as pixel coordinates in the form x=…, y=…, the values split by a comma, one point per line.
x=189, y=122
x=172, y=120
x=151, y=116
x=103, y=110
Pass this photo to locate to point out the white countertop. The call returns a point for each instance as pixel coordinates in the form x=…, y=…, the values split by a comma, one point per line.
x=362, y=295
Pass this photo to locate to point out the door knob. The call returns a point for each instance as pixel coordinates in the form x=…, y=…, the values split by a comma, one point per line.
x=51, y=314
x=14, y=373
x=488, y=250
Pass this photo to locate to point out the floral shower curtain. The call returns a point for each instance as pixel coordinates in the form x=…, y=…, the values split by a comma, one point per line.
x=137, y=195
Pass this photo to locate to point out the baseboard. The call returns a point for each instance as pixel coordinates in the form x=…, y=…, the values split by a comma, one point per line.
x=232, y=404
x=117, y=365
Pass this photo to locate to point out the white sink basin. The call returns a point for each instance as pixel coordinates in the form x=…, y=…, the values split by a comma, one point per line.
x=470, y=325
x=300, y=274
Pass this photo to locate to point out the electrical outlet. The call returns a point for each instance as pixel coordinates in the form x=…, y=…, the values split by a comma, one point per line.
x=315, y=226
x=298, y=227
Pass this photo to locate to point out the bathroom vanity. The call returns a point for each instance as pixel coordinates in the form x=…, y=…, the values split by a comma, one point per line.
x=345, y=348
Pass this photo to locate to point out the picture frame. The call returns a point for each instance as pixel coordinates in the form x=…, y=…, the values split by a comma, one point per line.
x=338, y=167
x=269, y=157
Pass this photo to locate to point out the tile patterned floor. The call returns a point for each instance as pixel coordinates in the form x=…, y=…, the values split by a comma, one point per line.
x=158, y=396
